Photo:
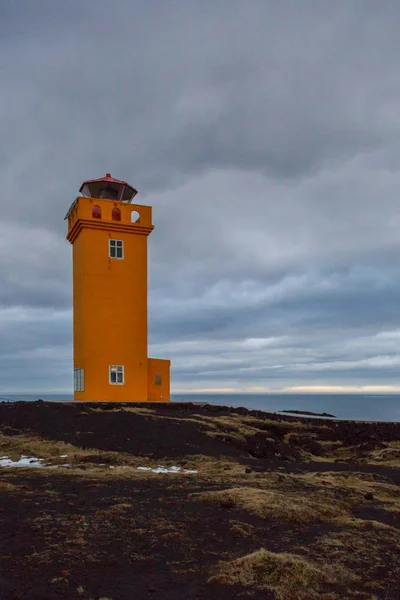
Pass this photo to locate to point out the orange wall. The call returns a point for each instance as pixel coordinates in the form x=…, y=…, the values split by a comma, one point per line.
x=110, y=299
x=158, y=393
x=82, y=209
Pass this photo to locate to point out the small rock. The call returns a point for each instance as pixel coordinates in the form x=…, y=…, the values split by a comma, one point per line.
x=248, y=470
x=369, y=496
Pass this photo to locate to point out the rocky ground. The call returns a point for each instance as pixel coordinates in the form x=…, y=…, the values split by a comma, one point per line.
x=277, y=506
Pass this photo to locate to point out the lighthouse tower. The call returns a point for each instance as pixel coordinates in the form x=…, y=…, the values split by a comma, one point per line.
x=109, y=243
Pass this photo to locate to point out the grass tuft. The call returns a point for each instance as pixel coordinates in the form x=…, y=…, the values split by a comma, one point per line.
x=287, y=507
x=289, y=576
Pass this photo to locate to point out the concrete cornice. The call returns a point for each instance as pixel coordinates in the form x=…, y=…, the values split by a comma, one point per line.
x=117, y=226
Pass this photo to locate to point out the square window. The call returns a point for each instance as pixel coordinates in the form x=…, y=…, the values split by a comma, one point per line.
x=116, y=249
x=116, y=374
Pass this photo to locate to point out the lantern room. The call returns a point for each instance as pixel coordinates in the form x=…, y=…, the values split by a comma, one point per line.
x=108, y=188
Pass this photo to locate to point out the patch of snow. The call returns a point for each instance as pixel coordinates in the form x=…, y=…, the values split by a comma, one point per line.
x=24, y=461
x=63, y=455
x=162, y=469
x=27, y=461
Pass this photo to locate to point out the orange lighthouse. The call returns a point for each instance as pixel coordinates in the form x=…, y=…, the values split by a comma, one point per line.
x=109, y=244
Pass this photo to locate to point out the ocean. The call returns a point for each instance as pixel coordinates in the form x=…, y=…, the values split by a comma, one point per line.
x=358, y=407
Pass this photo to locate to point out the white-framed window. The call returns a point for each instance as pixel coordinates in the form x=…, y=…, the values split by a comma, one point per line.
x=79, y=380
x=116, y=375
x=116, y=249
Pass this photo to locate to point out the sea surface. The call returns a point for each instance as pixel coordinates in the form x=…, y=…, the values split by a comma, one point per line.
x=358, y=407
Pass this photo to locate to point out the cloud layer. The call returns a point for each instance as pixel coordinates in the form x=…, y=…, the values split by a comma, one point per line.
x=267, y=139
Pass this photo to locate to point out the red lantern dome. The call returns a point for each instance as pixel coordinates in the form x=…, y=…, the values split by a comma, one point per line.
x=109, y=188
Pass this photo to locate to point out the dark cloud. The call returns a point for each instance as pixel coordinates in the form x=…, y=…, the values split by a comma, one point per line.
x=267, y=140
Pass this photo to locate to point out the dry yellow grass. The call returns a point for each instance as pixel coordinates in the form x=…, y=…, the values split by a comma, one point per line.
x=291, y=577
x=5, y=486
x=365, y=543
x=234, y=427
x=138, y=410
x=389, y=456
x=284, y=506
x=14, y=446
x=215, y=426
x=241, y=529
x=246, y=425
x=54, y=452
x=260, y=423
x=120, y=507
x=357, y=484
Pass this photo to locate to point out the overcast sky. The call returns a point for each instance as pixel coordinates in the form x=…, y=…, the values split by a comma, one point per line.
x=266, y=136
